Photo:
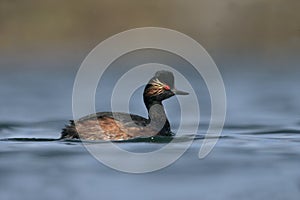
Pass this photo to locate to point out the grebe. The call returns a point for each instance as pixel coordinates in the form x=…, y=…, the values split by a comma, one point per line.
x=123, y=126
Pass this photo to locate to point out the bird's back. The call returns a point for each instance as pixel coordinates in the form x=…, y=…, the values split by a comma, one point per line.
x=108, y=126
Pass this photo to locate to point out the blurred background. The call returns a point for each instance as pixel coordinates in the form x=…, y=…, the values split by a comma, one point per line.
x=267, y=30
x=46, y=39
x=255, y=44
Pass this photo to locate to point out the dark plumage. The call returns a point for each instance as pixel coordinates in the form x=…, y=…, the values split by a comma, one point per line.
x=123, y=126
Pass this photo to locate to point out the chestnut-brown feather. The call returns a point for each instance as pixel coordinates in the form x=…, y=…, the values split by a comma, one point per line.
x=105, y=128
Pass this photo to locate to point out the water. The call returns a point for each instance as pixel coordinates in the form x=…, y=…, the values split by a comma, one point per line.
x=257, y=156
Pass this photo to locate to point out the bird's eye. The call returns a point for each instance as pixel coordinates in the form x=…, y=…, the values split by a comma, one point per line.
x=166, y=87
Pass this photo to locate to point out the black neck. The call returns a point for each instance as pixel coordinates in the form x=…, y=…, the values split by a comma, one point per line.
x=157, y=116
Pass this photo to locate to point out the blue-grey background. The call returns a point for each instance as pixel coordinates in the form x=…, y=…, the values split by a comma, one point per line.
x=255, y=44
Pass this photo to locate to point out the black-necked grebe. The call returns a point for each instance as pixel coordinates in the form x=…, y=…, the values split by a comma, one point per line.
x=123, y=126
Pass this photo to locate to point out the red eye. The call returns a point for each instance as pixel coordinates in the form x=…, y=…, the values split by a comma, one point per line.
x=166, y=87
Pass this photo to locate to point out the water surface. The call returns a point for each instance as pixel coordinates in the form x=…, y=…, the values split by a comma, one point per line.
x=257, y=156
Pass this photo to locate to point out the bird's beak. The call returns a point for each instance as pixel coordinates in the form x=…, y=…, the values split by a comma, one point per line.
x=178, y=92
